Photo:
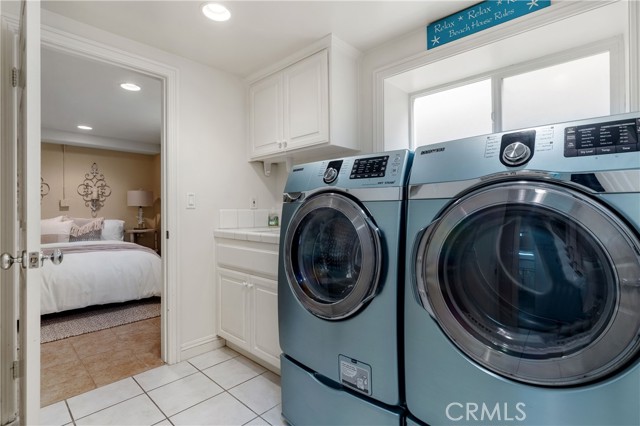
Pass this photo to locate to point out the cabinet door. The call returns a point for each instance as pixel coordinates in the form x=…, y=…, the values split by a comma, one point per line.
x=306, y=102
x=265, y=121
x=265, y=342
x=233, y=307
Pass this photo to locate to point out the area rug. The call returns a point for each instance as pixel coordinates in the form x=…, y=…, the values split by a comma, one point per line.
x=80, y=321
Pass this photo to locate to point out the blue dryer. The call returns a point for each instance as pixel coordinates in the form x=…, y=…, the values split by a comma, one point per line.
x=522, y=301
x=339, y=290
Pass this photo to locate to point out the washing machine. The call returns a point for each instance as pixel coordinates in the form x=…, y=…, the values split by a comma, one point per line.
x=522, y=300
x=339, y=290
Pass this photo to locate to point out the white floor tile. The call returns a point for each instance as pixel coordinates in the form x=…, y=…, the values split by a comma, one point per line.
x=222, y=409
x=261, y=393
x=212, y=358
x=274, y=416
x=137, y=411
x=184, y=393
x=258, y=421
x=162, y=375
x=234, y=371
x=103, y=397
x=55, y=414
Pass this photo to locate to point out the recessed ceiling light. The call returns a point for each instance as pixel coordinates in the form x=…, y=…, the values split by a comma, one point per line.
x=216, y=12
x=83, y=127
x=130, y=86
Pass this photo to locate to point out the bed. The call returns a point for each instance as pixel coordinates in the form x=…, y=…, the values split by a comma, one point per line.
x=98, y=266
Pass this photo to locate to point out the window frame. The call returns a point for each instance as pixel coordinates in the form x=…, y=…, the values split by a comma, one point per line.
x=614, y=46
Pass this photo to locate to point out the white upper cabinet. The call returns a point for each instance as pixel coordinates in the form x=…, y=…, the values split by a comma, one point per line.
x=306, y=104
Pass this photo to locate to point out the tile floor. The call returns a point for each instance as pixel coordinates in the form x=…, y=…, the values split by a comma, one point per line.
x=220, y=387
x=79, y=364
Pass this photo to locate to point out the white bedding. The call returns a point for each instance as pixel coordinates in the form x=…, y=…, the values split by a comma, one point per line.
x=99, y=277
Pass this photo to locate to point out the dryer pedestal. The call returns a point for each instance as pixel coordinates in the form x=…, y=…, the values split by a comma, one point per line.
x=301, y=391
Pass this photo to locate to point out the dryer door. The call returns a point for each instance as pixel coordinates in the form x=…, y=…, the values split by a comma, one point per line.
x=332, y=256
x=537, y=282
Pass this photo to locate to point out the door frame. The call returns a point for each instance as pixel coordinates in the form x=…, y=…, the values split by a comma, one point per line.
x=59, y=40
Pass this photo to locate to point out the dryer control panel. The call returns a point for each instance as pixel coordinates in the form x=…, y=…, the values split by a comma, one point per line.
x=608, y=137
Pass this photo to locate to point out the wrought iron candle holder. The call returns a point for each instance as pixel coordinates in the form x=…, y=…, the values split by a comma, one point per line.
x=94, y=190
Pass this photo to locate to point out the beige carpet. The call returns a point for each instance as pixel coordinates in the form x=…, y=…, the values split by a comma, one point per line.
x=73, y=323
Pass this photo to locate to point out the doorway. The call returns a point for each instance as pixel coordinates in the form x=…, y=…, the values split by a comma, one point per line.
x=161, y=215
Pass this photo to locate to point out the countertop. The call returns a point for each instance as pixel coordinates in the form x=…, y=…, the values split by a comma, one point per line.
x=264, y=235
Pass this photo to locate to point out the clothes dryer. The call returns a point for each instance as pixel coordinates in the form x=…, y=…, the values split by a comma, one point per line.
x=339, y=290
x=522, y=301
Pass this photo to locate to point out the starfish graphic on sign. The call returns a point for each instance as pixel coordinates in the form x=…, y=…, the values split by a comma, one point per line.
x=532, y=4
x=435, y=40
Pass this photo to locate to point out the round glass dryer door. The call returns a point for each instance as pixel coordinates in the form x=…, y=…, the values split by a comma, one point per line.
x=534, y=281
x=332, y=256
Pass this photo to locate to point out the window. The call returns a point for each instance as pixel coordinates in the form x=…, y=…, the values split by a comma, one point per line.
x=540, y=92
x=437, y=116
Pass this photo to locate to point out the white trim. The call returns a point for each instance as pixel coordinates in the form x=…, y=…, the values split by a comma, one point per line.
x=634, y=56
x=200, y=346
x=62, y=41
x=557, y=12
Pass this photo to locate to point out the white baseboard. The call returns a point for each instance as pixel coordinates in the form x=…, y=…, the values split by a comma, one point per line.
x=200, y=346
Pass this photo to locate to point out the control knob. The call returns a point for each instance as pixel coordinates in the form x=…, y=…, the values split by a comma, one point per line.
x=330, y=175
x=516, y=153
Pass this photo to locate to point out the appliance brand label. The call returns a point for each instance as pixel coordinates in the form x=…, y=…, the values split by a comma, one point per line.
x=431, y=151
x=298, y=169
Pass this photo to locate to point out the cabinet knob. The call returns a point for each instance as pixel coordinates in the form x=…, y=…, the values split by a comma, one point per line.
x=284, y=144
x=280, y=145
x=250, y=285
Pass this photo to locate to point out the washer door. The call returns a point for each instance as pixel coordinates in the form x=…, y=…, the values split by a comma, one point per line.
x=332, y=256
x=534, y=281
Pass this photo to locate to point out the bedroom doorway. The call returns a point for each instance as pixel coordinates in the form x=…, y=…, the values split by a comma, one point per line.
x=128, y=157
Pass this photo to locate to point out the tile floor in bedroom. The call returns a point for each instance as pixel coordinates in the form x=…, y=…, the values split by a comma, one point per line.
x=81, y=363
x=220, y=387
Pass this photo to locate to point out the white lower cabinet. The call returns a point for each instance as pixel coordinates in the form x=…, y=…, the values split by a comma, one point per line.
x=248, y=314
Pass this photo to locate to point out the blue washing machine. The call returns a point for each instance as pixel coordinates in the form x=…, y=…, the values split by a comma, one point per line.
x=339, y=290
x=522, y=300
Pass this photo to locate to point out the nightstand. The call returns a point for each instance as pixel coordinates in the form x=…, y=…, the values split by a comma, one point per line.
x=135, y=233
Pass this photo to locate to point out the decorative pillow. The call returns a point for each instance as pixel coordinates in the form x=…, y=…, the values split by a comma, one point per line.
x=86, y=229
x=113, y=229
x=55, y=231
x=94, y=235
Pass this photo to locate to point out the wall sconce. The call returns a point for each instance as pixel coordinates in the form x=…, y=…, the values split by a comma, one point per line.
x=94, y=190
x=139, y=198
x=44, y=188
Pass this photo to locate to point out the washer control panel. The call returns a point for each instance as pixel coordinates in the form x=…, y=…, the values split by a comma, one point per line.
x=371, y=167
x=517, y=148
x=332, y=170
x=611, y=137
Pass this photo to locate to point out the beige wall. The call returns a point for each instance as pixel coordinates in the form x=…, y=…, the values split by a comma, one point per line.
x=122, y=172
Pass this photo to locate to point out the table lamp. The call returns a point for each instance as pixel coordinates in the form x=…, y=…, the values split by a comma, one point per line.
x=139, y=198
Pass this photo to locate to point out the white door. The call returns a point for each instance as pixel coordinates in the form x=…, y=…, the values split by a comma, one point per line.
x=22, y=227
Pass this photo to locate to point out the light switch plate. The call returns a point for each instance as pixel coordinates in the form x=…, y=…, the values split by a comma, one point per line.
x=191, y=200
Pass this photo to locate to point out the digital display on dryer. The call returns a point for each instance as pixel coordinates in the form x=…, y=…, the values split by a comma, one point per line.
x=602, y=138
x=372, y=167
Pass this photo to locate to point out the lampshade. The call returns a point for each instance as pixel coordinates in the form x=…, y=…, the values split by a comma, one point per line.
x=139, y=198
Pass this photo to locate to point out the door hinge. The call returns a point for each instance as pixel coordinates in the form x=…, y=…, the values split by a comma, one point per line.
x=14, y=77
x=15, y=369
x=167, y=235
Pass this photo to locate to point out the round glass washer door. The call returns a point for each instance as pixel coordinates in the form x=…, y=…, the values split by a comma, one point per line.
x=534, y=281
x=332, y=256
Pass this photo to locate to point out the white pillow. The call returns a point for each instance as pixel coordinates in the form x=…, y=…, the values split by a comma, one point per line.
x=113, y=229
x=55, y=231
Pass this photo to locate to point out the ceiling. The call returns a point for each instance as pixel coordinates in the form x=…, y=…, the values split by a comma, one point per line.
x=258, y=34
